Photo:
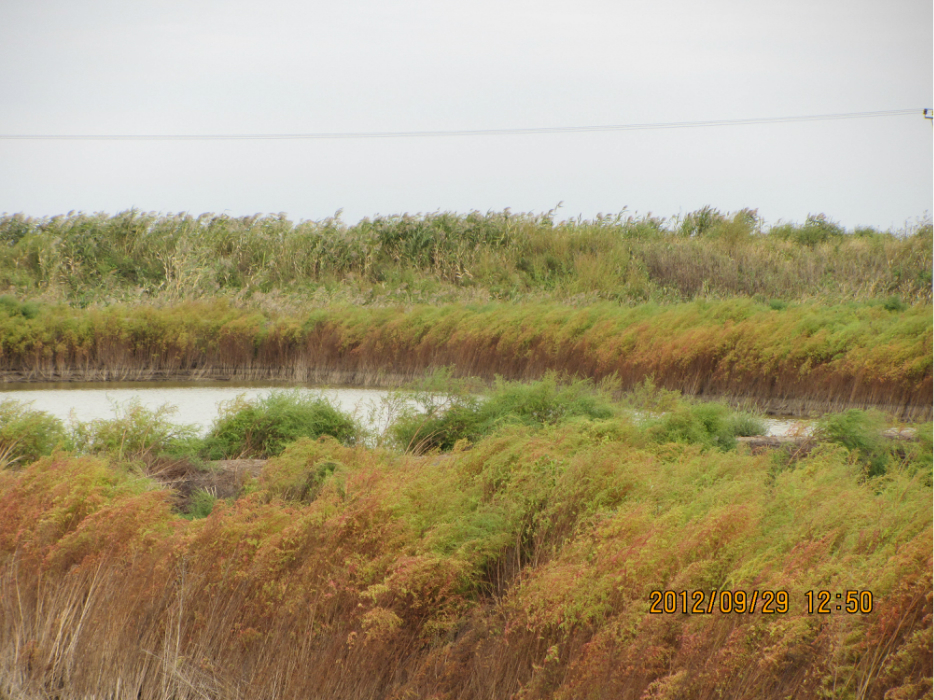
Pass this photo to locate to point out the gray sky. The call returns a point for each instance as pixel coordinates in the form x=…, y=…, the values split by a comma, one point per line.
x=284, y=66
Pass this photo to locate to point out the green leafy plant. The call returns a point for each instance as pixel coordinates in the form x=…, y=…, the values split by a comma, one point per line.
x=706, y=424
x=894, y=303
x=27, y=434
x=468, y=418
x=263, y=428
x=136, y=432
x=861, y=433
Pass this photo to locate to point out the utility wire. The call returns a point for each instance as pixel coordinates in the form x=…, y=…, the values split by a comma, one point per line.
x=462, y=132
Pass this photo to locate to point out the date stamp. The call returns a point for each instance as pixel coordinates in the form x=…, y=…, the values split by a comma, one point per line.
x=725, y=602
x=756, y=602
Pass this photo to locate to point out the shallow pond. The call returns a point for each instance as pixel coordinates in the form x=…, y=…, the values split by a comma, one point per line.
x=199, y=403
x=196, y=403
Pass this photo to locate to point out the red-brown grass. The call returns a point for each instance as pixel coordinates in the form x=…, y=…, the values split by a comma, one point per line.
x=520, y=569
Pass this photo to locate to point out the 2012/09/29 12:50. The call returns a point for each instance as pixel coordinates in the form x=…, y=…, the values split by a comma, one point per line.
x=822, y=602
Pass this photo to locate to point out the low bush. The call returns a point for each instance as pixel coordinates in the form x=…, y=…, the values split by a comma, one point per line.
x=648, y=397
x=263, y=428
x=861, y=433
x=135, y=433
x=706, y=424
x=306, y=466
x=27, y=434
x=744, y=424
x=468, y=417
x=894, y=303
x=12, y=306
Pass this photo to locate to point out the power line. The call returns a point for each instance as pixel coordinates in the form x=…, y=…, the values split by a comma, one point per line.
x=462, y=132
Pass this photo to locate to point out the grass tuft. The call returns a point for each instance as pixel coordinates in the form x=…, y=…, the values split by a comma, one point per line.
x=201, y=504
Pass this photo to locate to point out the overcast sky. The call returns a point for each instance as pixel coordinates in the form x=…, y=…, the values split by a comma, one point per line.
x=284, y=66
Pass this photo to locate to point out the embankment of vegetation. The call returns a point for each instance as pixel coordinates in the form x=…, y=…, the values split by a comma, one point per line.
x=523, y=567
x=797, y=358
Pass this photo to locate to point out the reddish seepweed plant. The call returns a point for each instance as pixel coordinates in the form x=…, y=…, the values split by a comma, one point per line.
x=521, y=568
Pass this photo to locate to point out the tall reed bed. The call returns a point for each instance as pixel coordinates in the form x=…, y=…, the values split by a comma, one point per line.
x=803, y=357
x=86, y=259
x=523, y=568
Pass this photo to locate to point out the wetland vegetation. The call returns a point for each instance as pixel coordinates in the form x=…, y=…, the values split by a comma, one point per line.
x=545, y=464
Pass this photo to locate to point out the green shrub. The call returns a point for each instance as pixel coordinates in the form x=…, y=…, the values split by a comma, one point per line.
x=649, y=397
x=465, y=417
x=816, y=230
x=423, y=432
x=545, y=402
x=305, y=466
x=707, y=424
x=14, y=307
x=9, y=304
x=918, y=457
x=894, y=303
x=263, y=428
x=861, y=433
x=136, y=432
x=27, y=434
x=746, y=425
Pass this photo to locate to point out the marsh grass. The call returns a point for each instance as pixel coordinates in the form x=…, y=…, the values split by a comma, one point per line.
x=450, y=257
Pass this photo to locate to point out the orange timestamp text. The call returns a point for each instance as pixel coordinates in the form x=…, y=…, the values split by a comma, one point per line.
x=726, y=602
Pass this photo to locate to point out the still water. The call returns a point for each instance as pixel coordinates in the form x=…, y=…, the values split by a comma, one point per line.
x=195, y=403
x=199, y=403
